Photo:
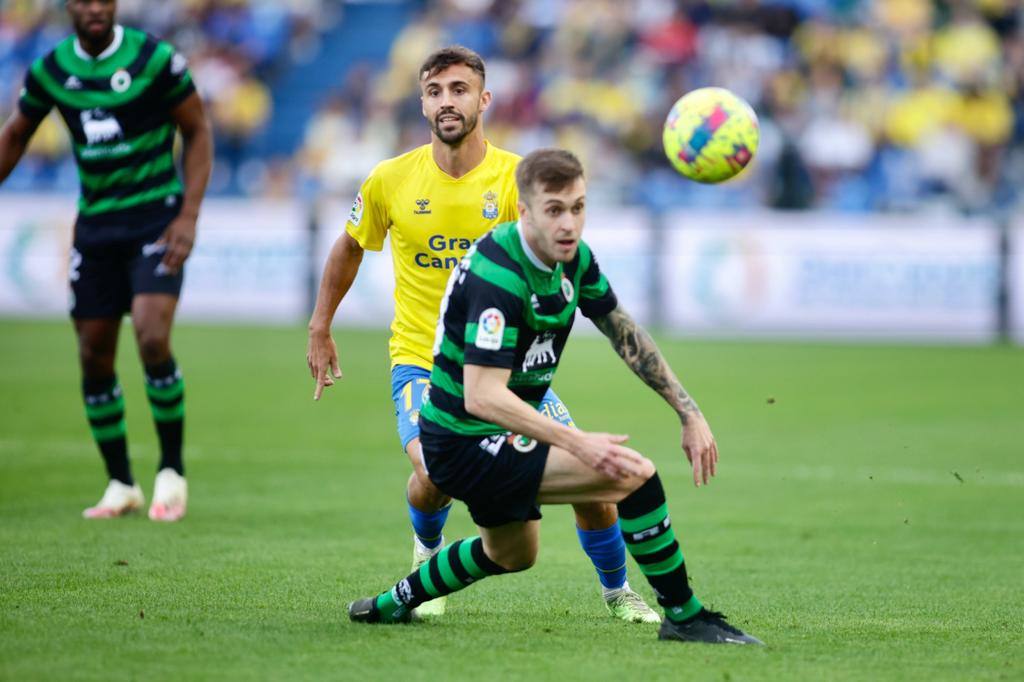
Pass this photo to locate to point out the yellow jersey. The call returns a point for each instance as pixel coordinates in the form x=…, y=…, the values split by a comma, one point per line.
x=433, y=219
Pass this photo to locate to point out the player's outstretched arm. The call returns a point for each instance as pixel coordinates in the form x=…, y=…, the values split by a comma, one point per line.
x=641, y=354
x=197, y=135
x=14, y=137
x=488, y=397
x=339, y=273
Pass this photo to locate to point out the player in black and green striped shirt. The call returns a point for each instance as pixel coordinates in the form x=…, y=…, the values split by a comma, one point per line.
x=504, y=322
x=123, y=94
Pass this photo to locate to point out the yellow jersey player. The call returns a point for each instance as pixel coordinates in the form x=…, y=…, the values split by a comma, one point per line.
x=434, y=202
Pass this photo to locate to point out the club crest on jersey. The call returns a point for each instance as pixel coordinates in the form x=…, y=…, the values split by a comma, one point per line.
x=490, y=205
x=355, y=216
x=120, y=81
x=567, y=289
x=422, y=207
x=100, y=126
x=489, y=329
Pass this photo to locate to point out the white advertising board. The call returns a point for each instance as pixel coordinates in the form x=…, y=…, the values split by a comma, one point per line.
x=35, y=243
x=249, y=262
x=888, y=278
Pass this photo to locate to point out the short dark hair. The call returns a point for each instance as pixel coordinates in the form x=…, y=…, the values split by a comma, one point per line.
x=555, y=169
x=449, y=56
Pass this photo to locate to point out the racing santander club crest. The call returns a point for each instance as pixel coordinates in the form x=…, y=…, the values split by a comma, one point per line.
x=567, y=289
x=490, y=205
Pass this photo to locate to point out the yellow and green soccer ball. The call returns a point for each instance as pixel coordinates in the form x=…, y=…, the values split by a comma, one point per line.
x=710, y=135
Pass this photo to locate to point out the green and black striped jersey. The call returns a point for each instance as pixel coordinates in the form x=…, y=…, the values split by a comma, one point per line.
x=117, y=107
x=503, y=308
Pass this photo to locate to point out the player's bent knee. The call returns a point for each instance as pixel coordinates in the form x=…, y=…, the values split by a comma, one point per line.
x=516, y=563
x=629, y=485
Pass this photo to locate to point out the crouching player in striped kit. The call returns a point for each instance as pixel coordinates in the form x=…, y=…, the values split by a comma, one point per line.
x=122, y=94
x=504, y=323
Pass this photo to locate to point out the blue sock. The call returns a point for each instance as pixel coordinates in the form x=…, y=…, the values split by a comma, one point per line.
x=607, y=550
x=428, y=526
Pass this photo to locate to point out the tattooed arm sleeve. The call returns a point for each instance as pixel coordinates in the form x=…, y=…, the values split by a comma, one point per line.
x=638, y=350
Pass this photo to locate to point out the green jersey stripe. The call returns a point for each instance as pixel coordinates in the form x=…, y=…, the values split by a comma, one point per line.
x=463, y=426
x=118, y=204
x=132, y=42
x=443, y=380
x=533, y=377
x=125, y=176
x=86, y=99
x=33, y=101
x=123, y=148
x=451, y=351
x=185, y=83
x=509, y=335
x=597, y=290
x=502, y=277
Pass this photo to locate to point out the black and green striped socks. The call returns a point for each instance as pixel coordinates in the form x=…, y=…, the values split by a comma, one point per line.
x=647, y=530
x=104, y=408
x=450, y=570
x=166, y=391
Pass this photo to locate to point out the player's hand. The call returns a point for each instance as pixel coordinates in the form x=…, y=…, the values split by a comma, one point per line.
x=700, y=448
x=322, y=359
x=606, y=453
x=177, y=241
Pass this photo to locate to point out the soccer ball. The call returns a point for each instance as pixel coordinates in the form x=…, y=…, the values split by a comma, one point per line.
x=710, y=135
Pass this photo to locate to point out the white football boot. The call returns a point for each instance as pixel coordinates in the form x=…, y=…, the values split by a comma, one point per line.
x=170, y=496
x=118, y=499
x=420, y=556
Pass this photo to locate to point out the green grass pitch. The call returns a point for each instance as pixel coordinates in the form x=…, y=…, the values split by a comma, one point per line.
x=867, y=521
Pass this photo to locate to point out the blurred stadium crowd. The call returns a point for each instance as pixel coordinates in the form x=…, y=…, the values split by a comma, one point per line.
x=866, y=105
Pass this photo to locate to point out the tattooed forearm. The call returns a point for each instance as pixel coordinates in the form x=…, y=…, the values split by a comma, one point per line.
x=639, y=351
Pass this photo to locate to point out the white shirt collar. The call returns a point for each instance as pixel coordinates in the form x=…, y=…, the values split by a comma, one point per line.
x=537, y=262
x=111, y=49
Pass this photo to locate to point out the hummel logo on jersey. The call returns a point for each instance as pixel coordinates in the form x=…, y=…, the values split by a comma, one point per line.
x=72, y=83
x=424, y=207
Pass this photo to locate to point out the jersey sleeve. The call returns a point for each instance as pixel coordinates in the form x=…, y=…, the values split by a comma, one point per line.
x=34, y=102
x=368, y=220
x=596, y=296
x=173, y=83
x=493, y=320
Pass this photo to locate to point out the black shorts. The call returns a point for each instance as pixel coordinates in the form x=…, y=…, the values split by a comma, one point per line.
x=498, y=477
x=106, y=274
